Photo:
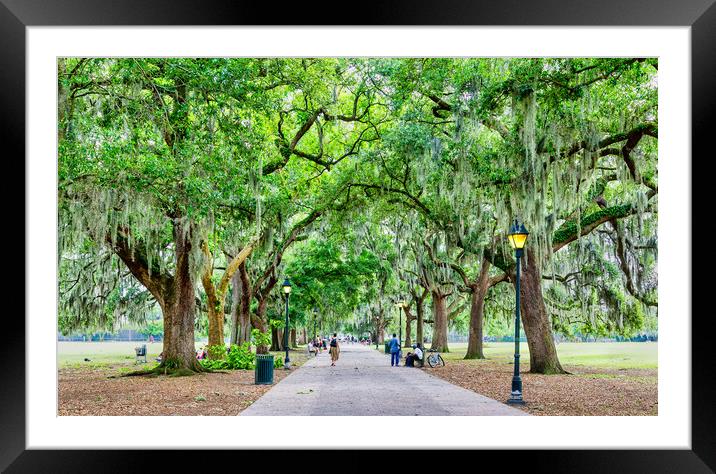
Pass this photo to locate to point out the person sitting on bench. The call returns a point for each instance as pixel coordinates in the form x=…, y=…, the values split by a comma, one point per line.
x=412, y=357
x=312, y=349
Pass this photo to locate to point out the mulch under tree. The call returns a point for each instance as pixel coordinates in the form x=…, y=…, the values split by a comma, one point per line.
x=93, y=391
x=587, y=391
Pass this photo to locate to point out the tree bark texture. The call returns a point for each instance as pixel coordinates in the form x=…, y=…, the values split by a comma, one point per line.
x=477, y=317
x=440, y=324
x=535, y=320
x=174, y=293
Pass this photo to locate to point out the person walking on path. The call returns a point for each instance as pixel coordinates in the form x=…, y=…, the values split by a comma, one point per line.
x=335, y=350
x=394, y=352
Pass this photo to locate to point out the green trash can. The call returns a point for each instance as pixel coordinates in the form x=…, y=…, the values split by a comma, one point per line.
x=263, y=374
x=387, y=347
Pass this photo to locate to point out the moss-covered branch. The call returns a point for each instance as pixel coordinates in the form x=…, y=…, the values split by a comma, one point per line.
x=568, y=232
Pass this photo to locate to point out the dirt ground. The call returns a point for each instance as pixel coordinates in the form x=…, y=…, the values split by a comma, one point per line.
x=89, y=391
x=95, y=389
x=587, y=391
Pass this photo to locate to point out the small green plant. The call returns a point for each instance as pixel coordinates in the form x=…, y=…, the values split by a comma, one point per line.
x=239, y=357
x=259, y=338
x=217, y=352
x=200, y=398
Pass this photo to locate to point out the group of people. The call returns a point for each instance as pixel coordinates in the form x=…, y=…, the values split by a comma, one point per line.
x=410, y=358
x=349, y=339
x=319, y=345
x=316, y=346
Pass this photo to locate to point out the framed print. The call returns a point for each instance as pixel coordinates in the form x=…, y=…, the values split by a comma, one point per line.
x=389, y=186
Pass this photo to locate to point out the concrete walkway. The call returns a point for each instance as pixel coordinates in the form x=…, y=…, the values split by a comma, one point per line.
x=364, y=383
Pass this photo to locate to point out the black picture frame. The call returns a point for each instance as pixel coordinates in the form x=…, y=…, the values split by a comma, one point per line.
x=700, y=15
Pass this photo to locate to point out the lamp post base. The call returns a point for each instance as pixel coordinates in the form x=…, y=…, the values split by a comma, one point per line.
x=516, y=399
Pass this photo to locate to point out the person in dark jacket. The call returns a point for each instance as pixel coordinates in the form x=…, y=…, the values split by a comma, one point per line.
x=394, y=346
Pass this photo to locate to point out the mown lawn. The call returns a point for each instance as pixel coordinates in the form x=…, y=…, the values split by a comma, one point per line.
x=615, y=355
x=73, y=354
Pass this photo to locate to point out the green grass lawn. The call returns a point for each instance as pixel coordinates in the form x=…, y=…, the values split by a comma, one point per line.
x=641, y=355
x=615, y=355
x=102, y=354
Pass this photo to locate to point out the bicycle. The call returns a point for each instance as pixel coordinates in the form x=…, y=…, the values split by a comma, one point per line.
x=435, y=359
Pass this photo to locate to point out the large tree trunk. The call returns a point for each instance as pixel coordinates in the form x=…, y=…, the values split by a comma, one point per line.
x=276, y=339
x=419, y=315
x=260, y=323
x=216, y=294
x=261, y=295
x=235, y=308
x=292, y=338
x=440, y=324
x=408, y=337
x=380, y=326
x=179, y=310
x=536, y=323
x=216, y=328
x=244, y=325
x=174, y=293
x=477, y=305
x=419, y=321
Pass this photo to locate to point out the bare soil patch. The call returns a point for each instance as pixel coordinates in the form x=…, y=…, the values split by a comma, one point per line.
x=588, y=391
x=88, y=391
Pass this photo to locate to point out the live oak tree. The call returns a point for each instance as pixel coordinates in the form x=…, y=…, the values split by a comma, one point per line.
x=148, y=150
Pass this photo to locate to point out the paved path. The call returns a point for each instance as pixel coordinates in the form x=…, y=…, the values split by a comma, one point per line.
x=364, y=383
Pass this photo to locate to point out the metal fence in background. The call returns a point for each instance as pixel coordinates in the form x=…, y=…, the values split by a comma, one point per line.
x=121, y=335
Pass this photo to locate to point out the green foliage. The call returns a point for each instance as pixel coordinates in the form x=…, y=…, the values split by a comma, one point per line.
x=217, y=352
x=259, y=338
x=153, y=328
x=569, y=229
x=239, y=357
x=366, y=178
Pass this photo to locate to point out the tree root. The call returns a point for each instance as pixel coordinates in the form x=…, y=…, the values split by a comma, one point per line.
x=559, y=371
x=163, y=369
x=474, y=357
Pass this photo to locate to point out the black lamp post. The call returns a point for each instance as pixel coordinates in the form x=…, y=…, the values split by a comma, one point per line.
x=315, y=323
x=517, y=238
x=287, y=290
x=376, y=334
x=400, y=304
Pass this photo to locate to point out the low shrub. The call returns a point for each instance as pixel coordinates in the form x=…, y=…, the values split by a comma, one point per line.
x=239, y=357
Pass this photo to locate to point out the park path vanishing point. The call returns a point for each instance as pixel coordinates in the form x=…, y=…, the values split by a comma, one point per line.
x=364, y=383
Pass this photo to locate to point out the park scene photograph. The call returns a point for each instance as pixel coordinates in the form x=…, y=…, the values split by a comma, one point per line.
x=357, y=236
